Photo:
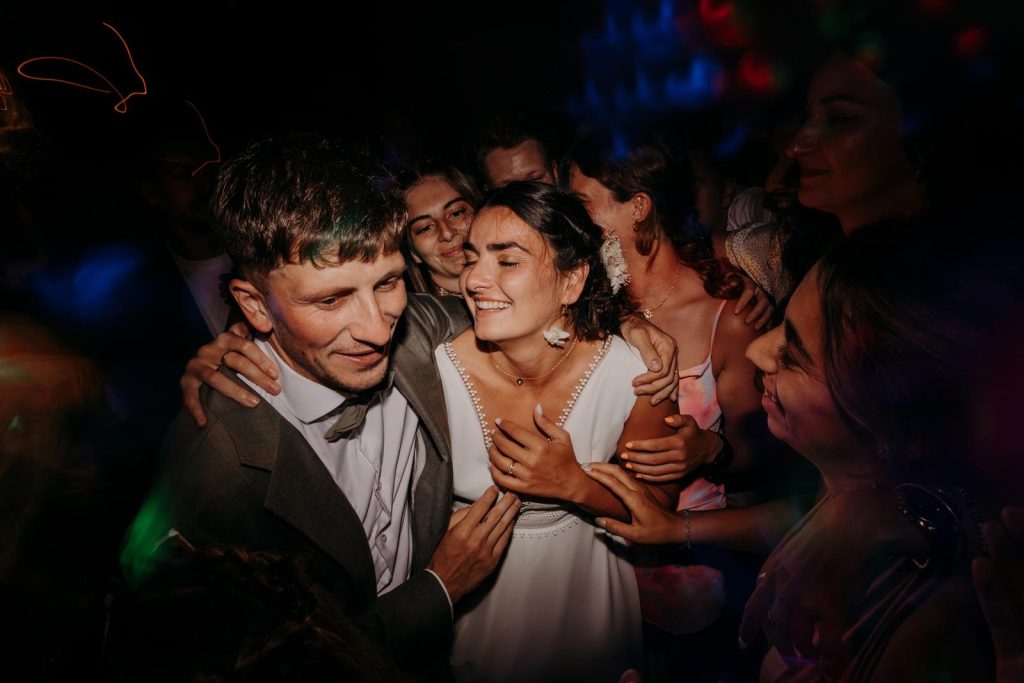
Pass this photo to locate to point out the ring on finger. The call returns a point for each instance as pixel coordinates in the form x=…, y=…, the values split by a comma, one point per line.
x=224, y=356
x=510, y=468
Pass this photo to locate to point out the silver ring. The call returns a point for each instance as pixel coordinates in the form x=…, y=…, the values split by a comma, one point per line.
x=510, y=468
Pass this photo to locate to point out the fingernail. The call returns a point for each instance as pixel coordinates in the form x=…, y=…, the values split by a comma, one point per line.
x=539, y=409
x=600, y=522
x=741, y=643
x=497, y=421
x=625, y=456
x=655, y=364
x=638, y=476
x=655, y=402
x=762, y=575
x=251, y=401
x=629, y=466
x=586, y=467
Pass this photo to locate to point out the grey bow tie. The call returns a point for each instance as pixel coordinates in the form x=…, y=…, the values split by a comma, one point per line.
x=353, y=411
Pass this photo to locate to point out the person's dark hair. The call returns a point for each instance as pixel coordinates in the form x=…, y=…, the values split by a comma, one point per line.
x=303, y=198
x=563, y=222
x=225, y=613
x=419, y=277
x=505, y=131
x=652, y=168
x=903, y=313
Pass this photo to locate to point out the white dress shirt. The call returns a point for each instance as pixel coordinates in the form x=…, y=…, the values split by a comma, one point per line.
x=372, y=467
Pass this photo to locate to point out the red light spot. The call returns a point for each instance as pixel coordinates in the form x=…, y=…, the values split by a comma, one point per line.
x=934, y=9
x=121, y=105
x=208, y=138
x=971, y=41
x=723, y=23
x=756, y=74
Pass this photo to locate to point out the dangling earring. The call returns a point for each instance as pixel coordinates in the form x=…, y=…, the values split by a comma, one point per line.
x=555, y=335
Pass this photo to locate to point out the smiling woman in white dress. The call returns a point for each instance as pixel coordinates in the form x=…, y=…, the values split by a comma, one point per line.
x=539, y=388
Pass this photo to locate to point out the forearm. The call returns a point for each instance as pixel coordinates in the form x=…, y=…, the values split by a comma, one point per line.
x=756, y=529
x=598, y=501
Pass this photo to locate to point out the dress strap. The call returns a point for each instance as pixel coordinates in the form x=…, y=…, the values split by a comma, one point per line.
x=714, y=324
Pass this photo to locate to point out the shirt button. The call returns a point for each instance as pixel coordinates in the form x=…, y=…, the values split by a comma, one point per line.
x=383, y=538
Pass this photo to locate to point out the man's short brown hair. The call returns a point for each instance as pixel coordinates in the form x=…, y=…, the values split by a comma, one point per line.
x=302, y=198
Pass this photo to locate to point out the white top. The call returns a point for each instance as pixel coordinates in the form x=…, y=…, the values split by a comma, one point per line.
x=203, y=281
x=372, y=467
x=563, y=605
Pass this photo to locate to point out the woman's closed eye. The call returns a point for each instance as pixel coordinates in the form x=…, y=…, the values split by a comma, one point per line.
x=786, y=358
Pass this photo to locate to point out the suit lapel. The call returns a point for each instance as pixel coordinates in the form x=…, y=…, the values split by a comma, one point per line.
x=416, y=377
x=303, y=494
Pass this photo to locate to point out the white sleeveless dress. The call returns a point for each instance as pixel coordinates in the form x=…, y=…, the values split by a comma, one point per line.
x=563, y=605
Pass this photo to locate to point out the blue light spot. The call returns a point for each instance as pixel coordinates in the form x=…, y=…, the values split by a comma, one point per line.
x=730, y=146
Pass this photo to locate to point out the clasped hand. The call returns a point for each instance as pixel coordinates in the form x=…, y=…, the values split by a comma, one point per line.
x=674, y=457
x=542, y=465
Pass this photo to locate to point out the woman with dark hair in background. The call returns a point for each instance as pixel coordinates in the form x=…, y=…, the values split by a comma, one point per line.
x=440, y=201
x=645, y=203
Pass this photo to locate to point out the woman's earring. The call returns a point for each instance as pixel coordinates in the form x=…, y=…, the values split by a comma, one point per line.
x=555, y=335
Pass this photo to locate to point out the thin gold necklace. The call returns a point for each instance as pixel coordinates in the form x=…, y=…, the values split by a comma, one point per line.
x=648, y=313
x=519, y=380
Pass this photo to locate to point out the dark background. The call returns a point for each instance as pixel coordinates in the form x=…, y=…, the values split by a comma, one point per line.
x=405, y=71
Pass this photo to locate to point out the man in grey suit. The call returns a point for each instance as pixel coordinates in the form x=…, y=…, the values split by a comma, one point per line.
x=349, y=463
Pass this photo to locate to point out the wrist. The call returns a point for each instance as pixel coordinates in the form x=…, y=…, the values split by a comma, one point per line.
x=577, y=488
x=722, y=458
x=686, y=530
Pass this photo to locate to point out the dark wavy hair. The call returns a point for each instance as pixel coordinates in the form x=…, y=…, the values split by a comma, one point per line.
x=565, y=225
x=653, y=169
x=305, y=197
x=905, y=314
x=418, y=274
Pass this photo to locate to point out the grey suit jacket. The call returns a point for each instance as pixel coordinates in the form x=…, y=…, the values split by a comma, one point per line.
x=249, y=478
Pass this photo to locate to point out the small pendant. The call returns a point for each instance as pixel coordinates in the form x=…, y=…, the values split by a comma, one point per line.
x=647, y=313
x=519, y=381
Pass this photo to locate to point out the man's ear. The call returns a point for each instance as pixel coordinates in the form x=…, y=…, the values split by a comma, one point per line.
x=575, y=280
x=253, y=304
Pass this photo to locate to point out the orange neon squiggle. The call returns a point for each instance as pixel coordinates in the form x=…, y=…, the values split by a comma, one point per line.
x=208, y=138
x=5, y=90
x=121, y=106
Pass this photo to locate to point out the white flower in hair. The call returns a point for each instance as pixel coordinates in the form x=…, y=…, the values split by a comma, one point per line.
x=614, y=263
x=555, y=336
